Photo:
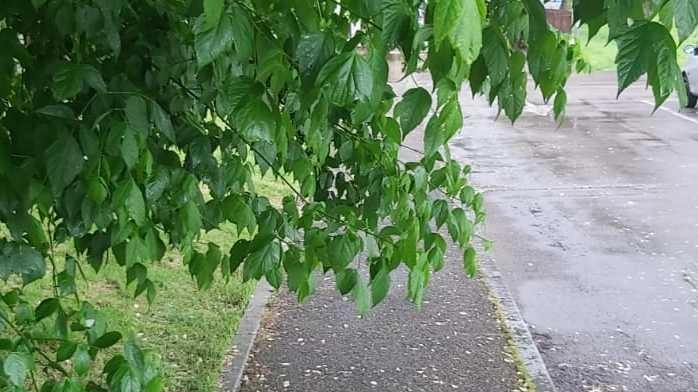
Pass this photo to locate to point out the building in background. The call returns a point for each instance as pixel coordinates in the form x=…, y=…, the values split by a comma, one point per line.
x=559, y=14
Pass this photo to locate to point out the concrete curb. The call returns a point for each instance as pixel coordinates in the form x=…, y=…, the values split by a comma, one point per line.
x=521, y=336
x=231, y=377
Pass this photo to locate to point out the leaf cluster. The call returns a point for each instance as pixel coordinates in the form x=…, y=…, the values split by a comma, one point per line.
x=128, y=128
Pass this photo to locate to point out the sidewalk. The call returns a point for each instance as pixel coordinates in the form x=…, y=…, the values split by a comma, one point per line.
x=454, y=343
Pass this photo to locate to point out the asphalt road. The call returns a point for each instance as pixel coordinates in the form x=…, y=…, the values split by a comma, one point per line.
x=595, y=226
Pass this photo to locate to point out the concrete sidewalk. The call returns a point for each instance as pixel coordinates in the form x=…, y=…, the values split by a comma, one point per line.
x=454, y=343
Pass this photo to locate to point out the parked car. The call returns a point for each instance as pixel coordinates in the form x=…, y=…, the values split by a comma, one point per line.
x=690, y=75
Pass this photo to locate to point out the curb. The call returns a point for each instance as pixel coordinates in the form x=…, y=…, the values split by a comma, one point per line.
x=520, y=334
x=233, y=370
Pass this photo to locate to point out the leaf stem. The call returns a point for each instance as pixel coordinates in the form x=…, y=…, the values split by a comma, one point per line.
x=51, y=255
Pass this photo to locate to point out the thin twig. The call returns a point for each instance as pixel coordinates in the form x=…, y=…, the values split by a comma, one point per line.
x=51, y=257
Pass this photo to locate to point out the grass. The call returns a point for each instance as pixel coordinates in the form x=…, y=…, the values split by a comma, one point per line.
x=601, y=55
x=189, y=329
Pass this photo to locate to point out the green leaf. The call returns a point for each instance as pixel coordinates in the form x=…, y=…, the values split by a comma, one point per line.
x=559, y=104
x=66, y=283
x=440, y=212
x=20, y=259
x=410, y=112
x=137, y=272
x=190, y=218
x=134, y=203
x=434, y=136
x=634, y=55
x=238, y=253
x=467, y=195
x=478, y=75
x=648, y=48
x=346, y=78
x=451, y=117
x=154, y=385
x=93, y=78
x=686, y=16
x=82, y=360
x=37, y=235
x=107, y=340
x=233, y=93
x=203, y=267
x=210, y=44
x=68, y=80
x=435, y=255
x=537, y=22
x=459, y=226
x=346, y=280
x=129, y=148
x=162, y=121
x=391, y=130
x=237, y=211
x=345, y=247
x=397, y=21
x=418, y=279
x=266, y=257
x=313, y=51
x=137, y=113
x=243, y=33
x=65, y=351
x=255, y=121
x=361, y=296
x=134, y=357
x=459, y=22
x=16, y=367
x=64, y=161
x=213, y=9
x=495, y=54
x=275, y=277
x=130, y=382
x=380, y=285
x=469, y=262
x=46, y=308
x=591, y=13
x=60, y=111
x=512, y=92
x=97, y=190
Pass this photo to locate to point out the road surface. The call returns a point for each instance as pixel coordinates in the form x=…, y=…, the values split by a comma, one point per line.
x=595, y=226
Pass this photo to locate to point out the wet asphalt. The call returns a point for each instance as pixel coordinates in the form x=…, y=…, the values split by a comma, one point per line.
x=454, y=343
x=595, y=224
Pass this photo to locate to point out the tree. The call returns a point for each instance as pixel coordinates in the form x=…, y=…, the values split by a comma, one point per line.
x=131, y=127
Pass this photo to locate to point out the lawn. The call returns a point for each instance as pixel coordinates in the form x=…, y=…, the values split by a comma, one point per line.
x=601, y=55
x=189, y=329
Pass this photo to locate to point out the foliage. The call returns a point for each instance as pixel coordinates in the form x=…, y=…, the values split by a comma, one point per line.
x=190, y=330
x=131, y=127
x=601, y=55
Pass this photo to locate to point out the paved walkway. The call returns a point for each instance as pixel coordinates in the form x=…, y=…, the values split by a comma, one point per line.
x=454, y=343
